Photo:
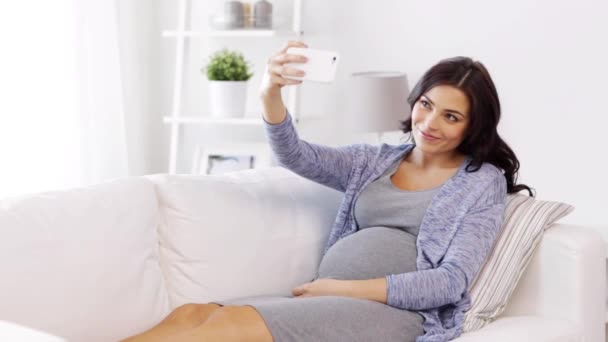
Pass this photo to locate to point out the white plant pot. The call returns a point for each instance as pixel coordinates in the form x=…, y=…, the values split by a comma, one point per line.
x=227, y=99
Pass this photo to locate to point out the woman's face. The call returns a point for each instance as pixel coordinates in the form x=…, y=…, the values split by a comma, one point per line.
x=443, y=114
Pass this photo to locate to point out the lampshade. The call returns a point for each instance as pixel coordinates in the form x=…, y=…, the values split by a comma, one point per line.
x=377, y=101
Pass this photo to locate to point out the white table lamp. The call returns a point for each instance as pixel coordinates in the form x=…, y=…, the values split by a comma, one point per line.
x=377, y=101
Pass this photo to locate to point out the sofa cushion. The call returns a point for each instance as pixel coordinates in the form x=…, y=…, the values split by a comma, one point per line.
x=14, y=332
x=83, y=263
x=525, y=221
x=247, y=233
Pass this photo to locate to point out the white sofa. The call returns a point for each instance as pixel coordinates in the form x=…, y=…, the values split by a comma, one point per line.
x=103, y=262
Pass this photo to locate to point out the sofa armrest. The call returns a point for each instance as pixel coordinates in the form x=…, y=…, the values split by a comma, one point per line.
x=566, y=279
x=525, y=328
x=14, y=332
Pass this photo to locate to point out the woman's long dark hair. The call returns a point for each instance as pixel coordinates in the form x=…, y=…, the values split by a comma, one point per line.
x=482, y=141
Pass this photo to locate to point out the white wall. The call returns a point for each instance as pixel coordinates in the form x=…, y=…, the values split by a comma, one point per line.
x=547, y=59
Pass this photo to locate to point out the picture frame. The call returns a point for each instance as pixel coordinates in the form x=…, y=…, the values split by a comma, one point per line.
x=213, y=160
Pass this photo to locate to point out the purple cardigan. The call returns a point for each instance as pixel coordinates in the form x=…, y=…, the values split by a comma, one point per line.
x=456, y=235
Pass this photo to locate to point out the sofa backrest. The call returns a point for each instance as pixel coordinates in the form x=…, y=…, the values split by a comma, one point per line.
x=248, y=233
x=82, y=263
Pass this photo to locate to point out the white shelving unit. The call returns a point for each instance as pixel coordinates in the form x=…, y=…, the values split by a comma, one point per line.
x=181, y=35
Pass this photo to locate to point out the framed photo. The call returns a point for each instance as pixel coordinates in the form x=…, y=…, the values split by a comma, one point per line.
x=217, y=163
x=213, y=160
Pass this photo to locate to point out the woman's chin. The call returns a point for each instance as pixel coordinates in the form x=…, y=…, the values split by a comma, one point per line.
x=426, y=149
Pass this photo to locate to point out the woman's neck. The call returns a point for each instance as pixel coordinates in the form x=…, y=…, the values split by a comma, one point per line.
x=428, y=161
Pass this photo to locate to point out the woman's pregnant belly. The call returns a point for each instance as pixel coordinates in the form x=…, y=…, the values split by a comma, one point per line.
x=369, y=253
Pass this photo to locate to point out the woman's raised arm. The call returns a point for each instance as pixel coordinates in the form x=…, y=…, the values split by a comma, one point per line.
x=322, y=164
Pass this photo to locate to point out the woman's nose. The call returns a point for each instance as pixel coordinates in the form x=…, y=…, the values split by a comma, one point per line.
x=430, y=121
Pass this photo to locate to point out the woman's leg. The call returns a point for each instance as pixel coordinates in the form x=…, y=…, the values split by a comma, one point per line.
x=185, y=317
x=229, y=324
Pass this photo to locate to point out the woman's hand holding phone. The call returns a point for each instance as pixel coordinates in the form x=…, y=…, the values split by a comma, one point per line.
x=273, y=80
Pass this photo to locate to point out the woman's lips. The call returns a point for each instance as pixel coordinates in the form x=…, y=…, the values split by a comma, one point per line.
x=428, y=136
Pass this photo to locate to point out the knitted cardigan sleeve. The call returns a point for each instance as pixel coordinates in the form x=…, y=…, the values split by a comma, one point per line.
x=329, y=166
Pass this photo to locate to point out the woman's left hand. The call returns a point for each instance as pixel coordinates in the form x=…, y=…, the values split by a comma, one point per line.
x=323, y=287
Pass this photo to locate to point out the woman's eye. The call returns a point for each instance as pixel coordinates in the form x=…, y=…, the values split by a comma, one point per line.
x=424, y=103
x=453, y=116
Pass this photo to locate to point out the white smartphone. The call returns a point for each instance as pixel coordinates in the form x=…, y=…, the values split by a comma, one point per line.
x=320, y=67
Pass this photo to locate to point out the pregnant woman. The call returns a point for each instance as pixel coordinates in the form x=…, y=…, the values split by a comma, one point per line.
x=416, y=222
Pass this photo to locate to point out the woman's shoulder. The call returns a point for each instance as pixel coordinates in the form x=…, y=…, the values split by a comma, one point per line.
x=486, y=170
x=491, y=170
x=489, y=181
x=488, y=175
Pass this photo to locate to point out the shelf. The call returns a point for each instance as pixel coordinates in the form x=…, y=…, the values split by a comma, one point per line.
x=232, y=33
x=252, y=121
x=181, y=31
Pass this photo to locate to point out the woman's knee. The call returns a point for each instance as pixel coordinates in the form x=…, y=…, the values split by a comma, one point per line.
x=192, y=314
x=238, y=323
x=227, y=313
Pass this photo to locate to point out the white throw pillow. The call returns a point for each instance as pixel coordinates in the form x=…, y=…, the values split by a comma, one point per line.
x=83, y=263
x=525, y=221
x=247, y=233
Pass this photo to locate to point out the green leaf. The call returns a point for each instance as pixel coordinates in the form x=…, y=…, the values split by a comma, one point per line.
x=226, y=65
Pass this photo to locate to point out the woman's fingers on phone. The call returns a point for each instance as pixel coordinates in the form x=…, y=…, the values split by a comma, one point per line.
x=276, y=79
x=278, y=73
x=283, y=57
x=281, y=70
x=293, y=43
x=288, y=58
x=276, y=70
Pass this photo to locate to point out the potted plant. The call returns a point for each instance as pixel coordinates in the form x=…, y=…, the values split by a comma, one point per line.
x=228, y=73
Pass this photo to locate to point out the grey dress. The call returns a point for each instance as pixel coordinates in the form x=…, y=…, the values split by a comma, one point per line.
x=385, y=243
